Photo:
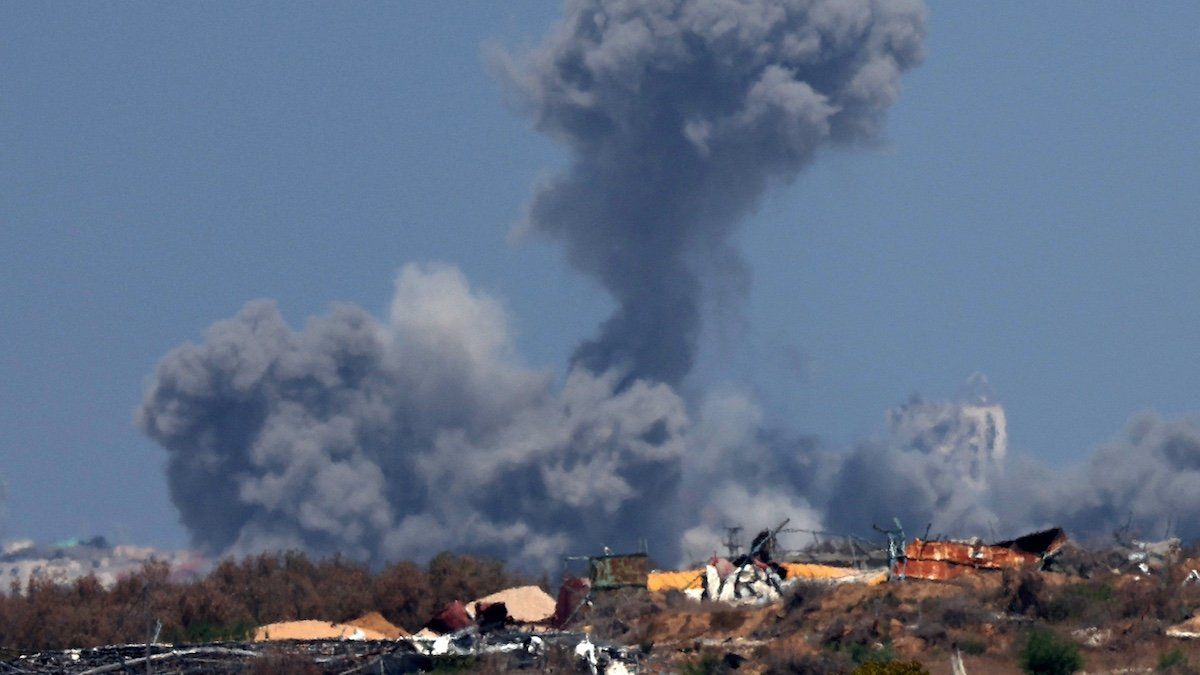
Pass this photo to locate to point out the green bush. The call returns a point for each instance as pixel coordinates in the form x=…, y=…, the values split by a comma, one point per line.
x=707, y=663
x=1046, y=654
x=972, y=647
x=891, y=668
x=1089, y=603
x=1173, y=660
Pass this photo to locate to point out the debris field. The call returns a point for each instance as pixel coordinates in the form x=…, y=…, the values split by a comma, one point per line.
x=930, y=604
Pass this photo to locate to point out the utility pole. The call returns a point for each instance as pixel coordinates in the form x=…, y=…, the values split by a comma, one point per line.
x=732, y=544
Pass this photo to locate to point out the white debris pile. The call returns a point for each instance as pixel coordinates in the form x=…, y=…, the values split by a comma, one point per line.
x=751, y=583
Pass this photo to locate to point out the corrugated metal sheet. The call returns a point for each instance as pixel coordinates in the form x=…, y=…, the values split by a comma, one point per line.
x=941, y=560
x=617, y=571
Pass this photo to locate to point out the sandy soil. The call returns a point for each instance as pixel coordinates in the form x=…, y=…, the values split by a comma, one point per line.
x=310, y=629
x=374, y=621
x=526, y=604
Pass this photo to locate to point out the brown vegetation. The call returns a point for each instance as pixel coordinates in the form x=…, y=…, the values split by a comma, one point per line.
x=235, y=597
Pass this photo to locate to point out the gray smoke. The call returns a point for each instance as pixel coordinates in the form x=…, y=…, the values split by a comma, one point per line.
x=938, y=463
x=677, y=115
x=947, y=464
x=422, y=432
x=1148, y=477
x=399, y=438
x=3, y=507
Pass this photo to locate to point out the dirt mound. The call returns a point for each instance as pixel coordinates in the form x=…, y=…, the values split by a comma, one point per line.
x=1189, y=629
x=310, y=629
x=526, y=604
x=668, y=626
x=374, y=621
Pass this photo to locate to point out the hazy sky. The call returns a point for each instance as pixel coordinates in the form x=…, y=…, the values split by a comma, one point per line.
x=1032, y=215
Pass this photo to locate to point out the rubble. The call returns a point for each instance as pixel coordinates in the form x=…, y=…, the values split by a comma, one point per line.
x=65, y=561
x=755, y=578
x=524, y=651
x=603, y=659
x=751, y=583
x=1150, y=557
x=762, y=607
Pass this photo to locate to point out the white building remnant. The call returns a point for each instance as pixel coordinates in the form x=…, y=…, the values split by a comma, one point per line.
x=67, y=561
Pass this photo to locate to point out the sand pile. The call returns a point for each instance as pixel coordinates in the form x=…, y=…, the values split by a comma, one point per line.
x=1189, y=630
x=310, y=629
x=374, y=621
x=526, y=604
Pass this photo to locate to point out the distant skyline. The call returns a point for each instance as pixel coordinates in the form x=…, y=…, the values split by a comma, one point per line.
x=1031, y=215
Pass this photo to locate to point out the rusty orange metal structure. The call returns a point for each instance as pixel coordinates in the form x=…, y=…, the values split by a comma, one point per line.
x=941, y=560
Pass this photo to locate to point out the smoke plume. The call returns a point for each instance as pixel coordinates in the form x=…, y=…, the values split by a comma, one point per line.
x=422, y=431
x=403, y=437
x=1148, y=477
x=937, y=465
x=678, y=114
x=942, y=463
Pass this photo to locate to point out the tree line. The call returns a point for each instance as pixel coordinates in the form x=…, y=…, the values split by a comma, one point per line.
x=236, y=596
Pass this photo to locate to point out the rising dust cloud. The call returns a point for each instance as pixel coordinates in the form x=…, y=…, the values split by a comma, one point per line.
x=421, y=430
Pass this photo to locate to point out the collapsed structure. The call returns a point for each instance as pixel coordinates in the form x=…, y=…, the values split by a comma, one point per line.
x=941, y=560
x=608, y=619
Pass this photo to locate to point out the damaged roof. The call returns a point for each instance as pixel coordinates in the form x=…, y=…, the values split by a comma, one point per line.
x=952, y=558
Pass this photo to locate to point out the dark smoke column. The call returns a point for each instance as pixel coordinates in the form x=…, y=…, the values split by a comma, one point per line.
x=677, y=114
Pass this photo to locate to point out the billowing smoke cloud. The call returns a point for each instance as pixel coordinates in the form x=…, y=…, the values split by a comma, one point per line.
x=422, y=431
x=937, y=466
x=947, y=465
x=678, y=114
x=938, y=463
x=737, y=474
x=1148, y=477
x=404, y=437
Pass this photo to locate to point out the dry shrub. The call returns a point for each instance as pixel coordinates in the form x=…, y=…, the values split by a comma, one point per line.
x=617, y=614
x=942, y=621
x=934, y=633
x=787, y=656
x=891, y=668
x=234, y=597
x=1162, y=597
x=1022, y=592
x=962, y=611
x=799, y=603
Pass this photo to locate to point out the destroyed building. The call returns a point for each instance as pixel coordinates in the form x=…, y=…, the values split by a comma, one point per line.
x=65, y=561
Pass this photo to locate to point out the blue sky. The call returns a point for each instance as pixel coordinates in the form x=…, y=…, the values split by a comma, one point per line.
x=1031, y=214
